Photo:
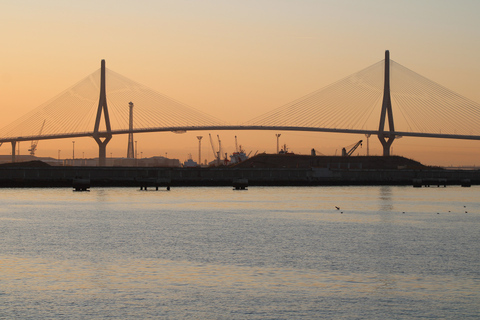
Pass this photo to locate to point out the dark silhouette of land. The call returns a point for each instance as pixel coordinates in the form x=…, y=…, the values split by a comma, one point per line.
x=261, y=170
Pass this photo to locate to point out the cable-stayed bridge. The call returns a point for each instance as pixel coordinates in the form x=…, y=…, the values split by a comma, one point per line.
x=362, y=103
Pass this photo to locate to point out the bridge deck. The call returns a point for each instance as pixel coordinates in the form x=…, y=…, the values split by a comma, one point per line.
x=246, y=127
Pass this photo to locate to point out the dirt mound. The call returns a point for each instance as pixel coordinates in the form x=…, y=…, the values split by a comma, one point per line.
x=332, y=162
x=35, y=163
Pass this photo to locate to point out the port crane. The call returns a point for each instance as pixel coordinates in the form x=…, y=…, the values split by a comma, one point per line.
x=33, y=146
x=216, y=154
x=220, y=153
x=348, y=153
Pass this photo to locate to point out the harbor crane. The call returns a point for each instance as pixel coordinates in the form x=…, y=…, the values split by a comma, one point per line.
x=213, y=147
x=216, y=154
x=348, y=153
x=33, y=146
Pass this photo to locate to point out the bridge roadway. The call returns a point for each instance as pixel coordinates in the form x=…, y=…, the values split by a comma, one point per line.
x=243, y=127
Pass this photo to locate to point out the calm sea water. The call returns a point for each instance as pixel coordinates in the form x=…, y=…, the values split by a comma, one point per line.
x=264, y=253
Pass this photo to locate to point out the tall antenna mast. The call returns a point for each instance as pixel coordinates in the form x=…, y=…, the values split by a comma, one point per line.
x=130, y=150
x=278, y=141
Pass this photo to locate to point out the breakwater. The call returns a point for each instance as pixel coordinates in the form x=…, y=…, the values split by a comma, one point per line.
x=137, y=177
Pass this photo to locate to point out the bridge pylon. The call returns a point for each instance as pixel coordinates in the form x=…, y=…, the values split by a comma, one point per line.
x=386, y=139
x=14, y=143
x=107, y=135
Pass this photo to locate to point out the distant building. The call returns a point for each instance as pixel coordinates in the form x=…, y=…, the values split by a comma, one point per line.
x=190, y=164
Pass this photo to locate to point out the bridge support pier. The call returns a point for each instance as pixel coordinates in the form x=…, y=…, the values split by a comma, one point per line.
x=102, y=150
x=14, y=144
x=386, y=144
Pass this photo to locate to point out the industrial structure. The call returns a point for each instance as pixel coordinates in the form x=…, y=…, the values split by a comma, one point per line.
x=33, y=146
x=351, y=149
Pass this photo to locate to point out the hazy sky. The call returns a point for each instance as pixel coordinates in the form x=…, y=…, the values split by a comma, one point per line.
x=235, y=60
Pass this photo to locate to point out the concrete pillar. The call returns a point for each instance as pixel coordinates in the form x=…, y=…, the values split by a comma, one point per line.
x=14, y=143
x=386, y=139
x=102, y=107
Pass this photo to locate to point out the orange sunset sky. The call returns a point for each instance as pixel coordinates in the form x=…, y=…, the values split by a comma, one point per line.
x=235, y=60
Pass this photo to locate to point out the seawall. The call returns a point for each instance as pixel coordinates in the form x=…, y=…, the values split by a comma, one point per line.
x=135, y=176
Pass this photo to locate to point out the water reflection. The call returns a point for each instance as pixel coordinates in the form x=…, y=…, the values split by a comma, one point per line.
x=385, y=197
x=101, y=195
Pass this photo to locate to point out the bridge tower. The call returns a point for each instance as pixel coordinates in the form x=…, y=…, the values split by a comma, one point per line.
x=107, y=134
x=130, y=150
x=386, y=138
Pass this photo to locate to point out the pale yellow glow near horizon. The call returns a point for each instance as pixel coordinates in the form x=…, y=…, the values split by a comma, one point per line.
x=235, y=60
